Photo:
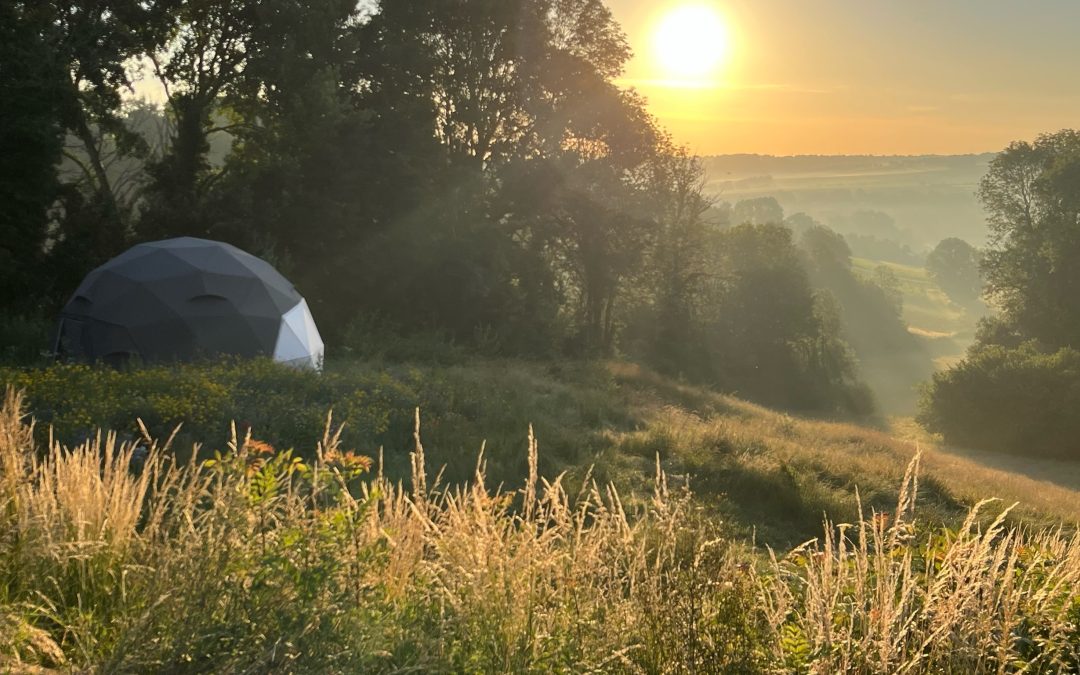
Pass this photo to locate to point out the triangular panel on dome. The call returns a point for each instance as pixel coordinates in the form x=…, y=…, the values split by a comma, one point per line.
x=299, y=342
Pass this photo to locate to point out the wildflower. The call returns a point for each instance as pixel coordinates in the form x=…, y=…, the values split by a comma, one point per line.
x=349, y=460
x=257, y=447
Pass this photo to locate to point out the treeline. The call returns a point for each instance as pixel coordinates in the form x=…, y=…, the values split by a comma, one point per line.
x=460, y=168
x=1019, y=386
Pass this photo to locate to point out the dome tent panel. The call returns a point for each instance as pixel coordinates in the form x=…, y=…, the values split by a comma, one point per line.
x=299, y=341
x=237, y=289
x=103, y=286
x=160, y=265
x=101, y=339
x=212, y=259
x=134, y=306
x=223, y=335
x=165, y=339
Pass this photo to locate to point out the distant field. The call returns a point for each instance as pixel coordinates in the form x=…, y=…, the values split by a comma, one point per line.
x=930, y=197
x=926, y=307
x=945, y=328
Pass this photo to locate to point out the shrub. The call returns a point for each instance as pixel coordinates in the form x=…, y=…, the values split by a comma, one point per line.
x=24, y=339
x=1020, y=401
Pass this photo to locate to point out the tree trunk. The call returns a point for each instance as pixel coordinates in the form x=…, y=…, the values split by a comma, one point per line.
x=103, y=187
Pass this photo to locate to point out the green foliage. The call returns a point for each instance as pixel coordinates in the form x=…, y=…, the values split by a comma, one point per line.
x=1031, y=196
x=1018, y=400
x=734, y=308
x=954, y=266
x=1018, y=387
x=777, y=342
x=24, y=340
x=469, y=174
x=118, y=558
x=464, y=405
x=30, y=148
x=757, y=211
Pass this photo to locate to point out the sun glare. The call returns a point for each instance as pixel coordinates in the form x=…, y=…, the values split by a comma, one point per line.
x=691, y=42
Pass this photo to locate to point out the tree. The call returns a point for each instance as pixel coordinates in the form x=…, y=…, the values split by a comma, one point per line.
x=800, y=222
x=31, y=142
x=1016, y=399
x=204, y=60
x=309, y=178
x=874, y=223
x=94, y=43
x=828, y=251
x=1017, y=387
x=758, y=211
x=954, y=267
x=772, y=337
x=885, y=278
x=1032, y=263
x=679, y=264
x=65, y=66
x=539, y=161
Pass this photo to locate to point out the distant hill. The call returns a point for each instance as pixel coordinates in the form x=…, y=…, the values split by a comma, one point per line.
x=929, y=197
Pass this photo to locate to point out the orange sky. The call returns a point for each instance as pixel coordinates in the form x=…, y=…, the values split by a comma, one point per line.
x=868, y=76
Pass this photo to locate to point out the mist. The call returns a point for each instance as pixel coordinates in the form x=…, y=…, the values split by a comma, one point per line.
x=891, y=212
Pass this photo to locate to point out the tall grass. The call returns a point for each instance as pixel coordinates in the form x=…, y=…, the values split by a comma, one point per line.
x=116, y=558
x=885, y=600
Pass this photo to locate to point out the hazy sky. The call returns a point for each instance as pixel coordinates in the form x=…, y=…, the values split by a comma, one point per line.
x=868, y=76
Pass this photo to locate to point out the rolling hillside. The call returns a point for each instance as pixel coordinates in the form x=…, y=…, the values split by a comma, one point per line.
x=765, y=474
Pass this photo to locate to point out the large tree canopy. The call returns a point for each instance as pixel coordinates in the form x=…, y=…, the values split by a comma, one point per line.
x=1016, y=389
x=954, y=266
x=1032, y=266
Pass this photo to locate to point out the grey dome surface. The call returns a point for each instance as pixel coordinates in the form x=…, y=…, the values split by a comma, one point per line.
x=187, y=298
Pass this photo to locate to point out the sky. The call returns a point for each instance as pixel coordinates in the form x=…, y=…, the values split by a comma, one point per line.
x=880, y=77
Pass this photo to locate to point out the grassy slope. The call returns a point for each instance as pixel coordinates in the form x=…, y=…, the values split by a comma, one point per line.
x=945, y=328
x=766, y=474
x=780, y=474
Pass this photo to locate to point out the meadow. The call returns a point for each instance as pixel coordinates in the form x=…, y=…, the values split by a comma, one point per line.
x=638, y=525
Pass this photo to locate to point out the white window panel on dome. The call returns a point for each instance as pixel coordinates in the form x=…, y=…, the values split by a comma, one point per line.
x=298, y=342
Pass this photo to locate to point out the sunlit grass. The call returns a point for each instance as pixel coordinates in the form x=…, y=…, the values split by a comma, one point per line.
x=115, y=558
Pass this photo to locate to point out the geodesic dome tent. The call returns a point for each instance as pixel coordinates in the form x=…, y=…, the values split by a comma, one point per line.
x=183, y=299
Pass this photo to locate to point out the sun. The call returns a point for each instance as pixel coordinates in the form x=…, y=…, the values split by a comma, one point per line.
x=691, y=42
